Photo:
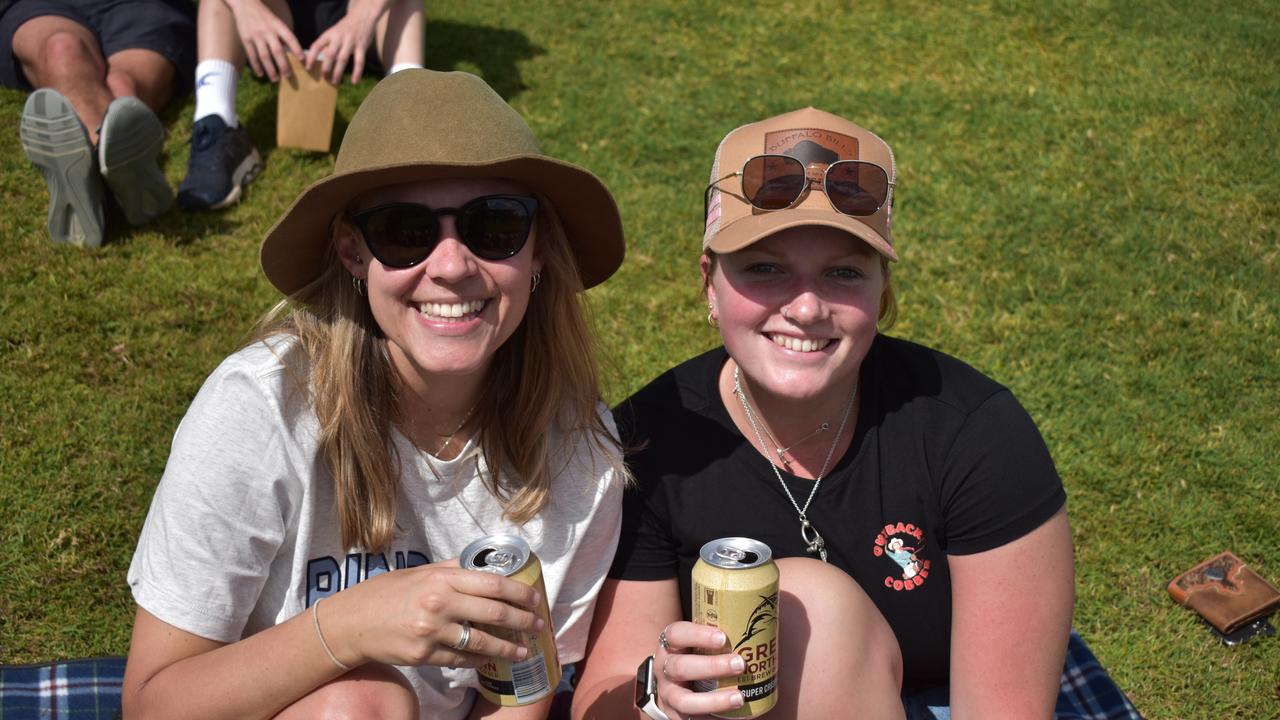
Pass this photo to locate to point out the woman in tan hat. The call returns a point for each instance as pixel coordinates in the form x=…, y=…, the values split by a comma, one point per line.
x=917, y=519
x=428, y=381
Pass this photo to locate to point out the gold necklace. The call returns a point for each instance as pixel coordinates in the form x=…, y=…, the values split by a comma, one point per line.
x=449, y=439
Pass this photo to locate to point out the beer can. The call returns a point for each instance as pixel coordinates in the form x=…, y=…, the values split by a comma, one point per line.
x=502, y=681
x=735, y=588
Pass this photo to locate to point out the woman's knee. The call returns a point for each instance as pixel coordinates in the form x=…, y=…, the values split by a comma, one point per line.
x=828, y=621
x=373, y=691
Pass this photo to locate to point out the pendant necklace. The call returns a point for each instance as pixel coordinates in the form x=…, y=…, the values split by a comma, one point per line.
x=456, y=430
x=814, y=543
x=782, y=451
x=452, y=481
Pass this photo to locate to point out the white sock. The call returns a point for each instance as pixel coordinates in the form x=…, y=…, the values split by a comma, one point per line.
x=216, y=91
x=403, y=66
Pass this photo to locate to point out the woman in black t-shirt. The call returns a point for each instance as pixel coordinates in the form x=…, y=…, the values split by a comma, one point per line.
x=919, y=523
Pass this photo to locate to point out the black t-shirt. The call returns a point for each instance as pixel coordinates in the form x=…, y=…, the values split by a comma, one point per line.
x=943, y=461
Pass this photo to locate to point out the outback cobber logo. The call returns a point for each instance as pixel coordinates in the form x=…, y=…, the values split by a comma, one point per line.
x=811, y=145
x=902, y=543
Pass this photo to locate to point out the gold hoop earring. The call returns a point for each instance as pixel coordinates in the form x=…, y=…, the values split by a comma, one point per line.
x=711, y=316
x=537, y=280
x=359, y=285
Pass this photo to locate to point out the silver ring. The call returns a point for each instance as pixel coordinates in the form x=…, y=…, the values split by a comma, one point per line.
x=464, y=638
x=662, y=640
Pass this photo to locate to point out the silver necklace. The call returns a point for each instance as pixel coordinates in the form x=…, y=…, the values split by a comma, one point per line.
x=814, y=543
x=782, y=451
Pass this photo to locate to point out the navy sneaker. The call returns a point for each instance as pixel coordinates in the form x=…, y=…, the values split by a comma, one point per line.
x=223, y=161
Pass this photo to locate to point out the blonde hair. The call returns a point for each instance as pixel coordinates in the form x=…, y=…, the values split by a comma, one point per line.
x=543, y=377
x=888, y=301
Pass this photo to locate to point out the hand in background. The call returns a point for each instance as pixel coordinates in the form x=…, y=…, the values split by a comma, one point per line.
x=266, y=39
x=347, y=41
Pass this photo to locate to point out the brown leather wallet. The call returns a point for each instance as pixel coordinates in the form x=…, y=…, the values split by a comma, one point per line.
x=1225, y=592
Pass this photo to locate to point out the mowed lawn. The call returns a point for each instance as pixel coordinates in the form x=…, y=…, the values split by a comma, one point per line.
x=1088, y=210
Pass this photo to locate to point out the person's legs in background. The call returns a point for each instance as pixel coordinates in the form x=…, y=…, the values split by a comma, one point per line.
x=402, y=35
x=223, y=159
x=132, y=137
x=59, y=122
x=98, y=84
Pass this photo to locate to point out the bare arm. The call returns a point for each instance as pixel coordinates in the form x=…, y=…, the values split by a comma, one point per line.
x=629, y=616
x=1011, y=617
x=172, y=672
x=406, y=617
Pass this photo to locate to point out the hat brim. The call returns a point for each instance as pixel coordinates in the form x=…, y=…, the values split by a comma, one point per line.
x=293, y=251
x=745, y=231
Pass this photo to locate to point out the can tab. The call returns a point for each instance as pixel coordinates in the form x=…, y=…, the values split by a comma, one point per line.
x=500, y=558
x=735, y=555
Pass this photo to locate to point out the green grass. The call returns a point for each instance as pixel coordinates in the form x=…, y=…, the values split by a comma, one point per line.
x=1088, y=210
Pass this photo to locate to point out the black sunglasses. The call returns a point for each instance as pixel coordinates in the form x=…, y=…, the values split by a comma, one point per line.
x=403, y=234
x=777, y=182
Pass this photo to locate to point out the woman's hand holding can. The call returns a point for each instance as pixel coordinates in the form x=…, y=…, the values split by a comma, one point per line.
x=428, y=615
x=681, y=661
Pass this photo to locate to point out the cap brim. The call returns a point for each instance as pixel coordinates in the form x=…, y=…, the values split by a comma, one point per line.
x=293, y=251
x=747, y=230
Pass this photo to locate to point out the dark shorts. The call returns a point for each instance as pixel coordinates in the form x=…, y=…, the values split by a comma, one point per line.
x=312, y=17
x=167, y=27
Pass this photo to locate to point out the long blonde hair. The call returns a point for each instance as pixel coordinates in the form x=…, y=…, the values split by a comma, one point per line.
x=543, y=377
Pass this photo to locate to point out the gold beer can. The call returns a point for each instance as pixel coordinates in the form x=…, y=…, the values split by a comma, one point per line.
x=504, y=682
x=735, y=588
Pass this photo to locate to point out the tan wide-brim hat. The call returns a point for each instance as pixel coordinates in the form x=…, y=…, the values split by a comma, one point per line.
x=815, y=137
x=424, y=125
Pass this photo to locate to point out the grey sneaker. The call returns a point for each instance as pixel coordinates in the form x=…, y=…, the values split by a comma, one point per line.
x=56, y=142
x=129, y=147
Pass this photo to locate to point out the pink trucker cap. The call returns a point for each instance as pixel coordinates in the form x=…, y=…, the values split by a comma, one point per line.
x=814, y=137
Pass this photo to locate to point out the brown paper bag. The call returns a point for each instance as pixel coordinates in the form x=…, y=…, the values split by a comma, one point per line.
x=305, y=109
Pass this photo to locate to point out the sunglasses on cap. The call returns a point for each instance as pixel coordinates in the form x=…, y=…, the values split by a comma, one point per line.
x=403, y=234
x=777, y=182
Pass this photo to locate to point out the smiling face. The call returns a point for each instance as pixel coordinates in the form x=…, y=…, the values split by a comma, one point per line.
x=798, y=310
x=445, y=317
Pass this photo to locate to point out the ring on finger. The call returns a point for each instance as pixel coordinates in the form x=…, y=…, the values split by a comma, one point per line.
x=664, y=667
x=662, y=640
x=464, y=638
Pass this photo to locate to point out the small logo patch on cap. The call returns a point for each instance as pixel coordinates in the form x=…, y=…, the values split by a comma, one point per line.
x=811, y=145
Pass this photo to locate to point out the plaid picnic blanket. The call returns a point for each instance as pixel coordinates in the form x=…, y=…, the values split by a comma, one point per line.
x=86, y=689
x=1088, y=692
x=89, y=689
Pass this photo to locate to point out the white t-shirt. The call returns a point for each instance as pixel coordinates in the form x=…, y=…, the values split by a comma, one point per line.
x=242, y=533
